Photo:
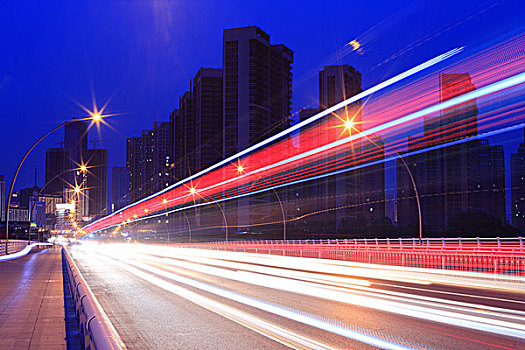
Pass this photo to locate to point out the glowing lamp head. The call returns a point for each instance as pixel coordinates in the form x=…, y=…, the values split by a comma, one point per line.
x=146, y=211
x=240, y=168
x=96, y=117
x=193, y=190
x=349, y=124
x=77, y=190
x=83, y=168
x=165, y=201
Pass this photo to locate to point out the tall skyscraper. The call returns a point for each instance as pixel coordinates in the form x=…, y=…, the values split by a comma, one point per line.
x=257, y=93
x=338, y=83
x=176, y=143
x=119, y=187
x=257, y=78
x=347, y=191
x=207, y=102
x=459, y=121
x=97, y=181
x=148, y=161
x=57, y=177
x=455, y=180
x=75, y=144
x=517, y=179
x=134, y=164
x=187, y=136
x=161, y=156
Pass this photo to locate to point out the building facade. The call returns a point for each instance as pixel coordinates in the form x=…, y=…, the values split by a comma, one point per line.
x=119, y=188
x=453, y=182
x=148, y=161
x=75, y=145
x=97, y=181
x=57, y=176
x=257, y=94
x=517, y=180
x=207, y=102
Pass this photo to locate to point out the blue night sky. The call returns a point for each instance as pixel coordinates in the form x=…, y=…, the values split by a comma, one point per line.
x=143, y=54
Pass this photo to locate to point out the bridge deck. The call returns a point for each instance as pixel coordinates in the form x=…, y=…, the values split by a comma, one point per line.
x=32, y=313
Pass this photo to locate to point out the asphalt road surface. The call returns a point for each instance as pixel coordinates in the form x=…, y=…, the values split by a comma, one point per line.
x=179, y=298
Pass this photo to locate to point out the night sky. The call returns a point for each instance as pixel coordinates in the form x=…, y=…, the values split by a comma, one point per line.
x=142, y=54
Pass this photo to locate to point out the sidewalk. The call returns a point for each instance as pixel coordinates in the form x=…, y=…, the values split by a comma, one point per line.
x=32, y=313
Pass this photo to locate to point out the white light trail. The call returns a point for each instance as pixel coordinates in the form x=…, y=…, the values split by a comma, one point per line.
x=310, y=120
x=125, y=263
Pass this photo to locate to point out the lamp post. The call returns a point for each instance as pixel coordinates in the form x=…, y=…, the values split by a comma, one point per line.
x=95, y=117
x=82, y=168
x=349, y=125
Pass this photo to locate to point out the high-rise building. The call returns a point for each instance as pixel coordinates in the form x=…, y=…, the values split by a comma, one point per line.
x=517, y=179
x=187, y=124
x=75, y=144
x=257, y=78
x=459, y=121
x=119, y=187
x=257, y=93
x=148, y=161
x=338, y=83
x=454, y=180
x=134, y=164
x=161, y=156
x=2, y=198
x=97, y=181
x=343, y=194
x=176, y=137
x=57, y=176
x=207, y=102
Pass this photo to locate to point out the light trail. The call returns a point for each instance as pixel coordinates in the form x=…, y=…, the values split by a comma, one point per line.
x=296, y=127
x=272, y=331
x=314, y=278
x=482, y=92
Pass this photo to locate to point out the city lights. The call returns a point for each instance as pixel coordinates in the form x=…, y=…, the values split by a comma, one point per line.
x=330, y=185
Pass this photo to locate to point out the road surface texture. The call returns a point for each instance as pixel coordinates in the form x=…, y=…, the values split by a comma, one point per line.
x=32, y=313
x=167, y=298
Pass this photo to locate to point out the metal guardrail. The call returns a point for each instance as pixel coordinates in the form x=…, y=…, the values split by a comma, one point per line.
x=13, y=246
x=496, y=244
x=94, y=324
x=488, y=256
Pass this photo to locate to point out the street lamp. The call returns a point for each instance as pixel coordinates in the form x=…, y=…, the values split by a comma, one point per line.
x=95, y=117
x=349, y=125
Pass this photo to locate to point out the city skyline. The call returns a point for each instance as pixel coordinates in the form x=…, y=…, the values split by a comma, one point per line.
x=262, y=175
x=305, y=67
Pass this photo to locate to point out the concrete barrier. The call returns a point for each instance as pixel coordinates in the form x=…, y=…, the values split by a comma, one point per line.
x=98, y=332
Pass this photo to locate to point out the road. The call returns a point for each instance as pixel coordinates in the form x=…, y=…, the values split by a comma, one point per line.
x=180, y=298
